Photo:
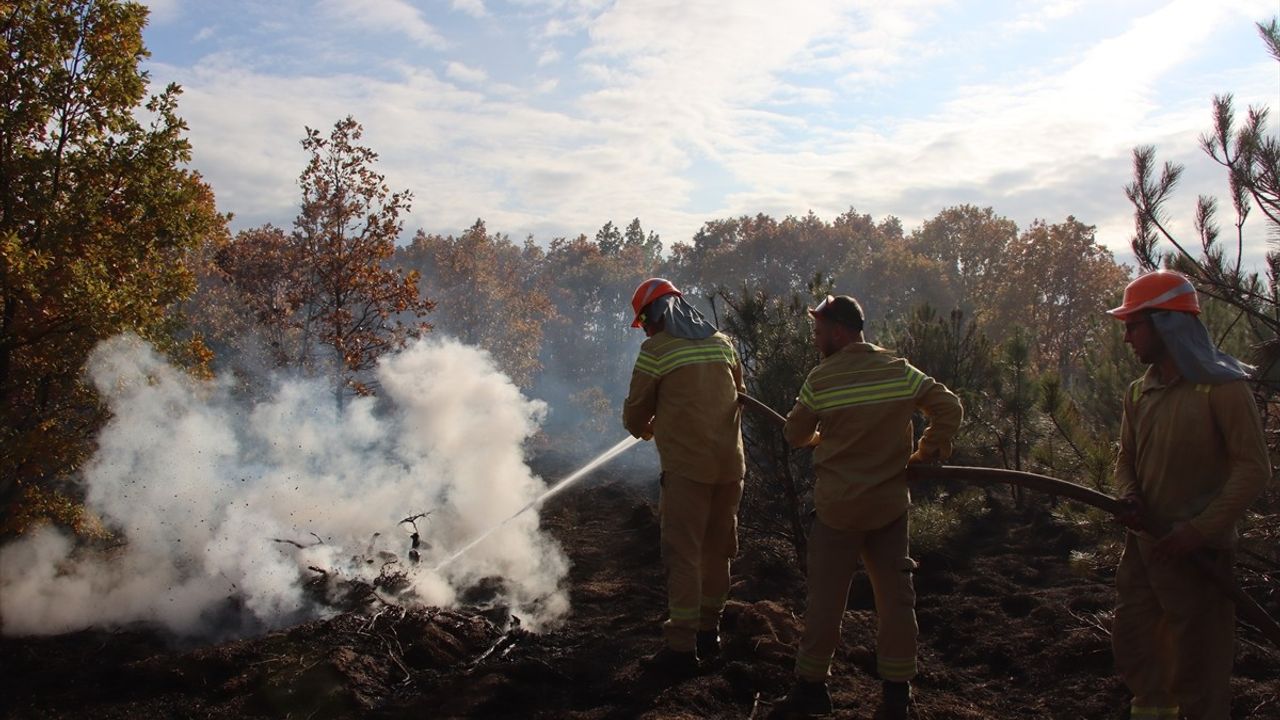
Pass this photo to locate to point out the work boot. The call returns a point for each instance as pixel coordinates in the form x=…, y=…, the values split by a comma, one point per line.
x=673, y=664
x=895, y=698
x=708, y=644
x=806, y=699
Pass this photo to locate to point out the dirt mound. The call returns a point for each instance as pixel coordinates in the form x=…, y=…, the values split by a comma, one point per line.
x=1010, y=627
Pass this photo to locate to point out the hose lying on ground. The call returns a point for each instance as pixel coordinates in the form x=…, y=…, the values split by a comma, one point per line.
x=1247, y=609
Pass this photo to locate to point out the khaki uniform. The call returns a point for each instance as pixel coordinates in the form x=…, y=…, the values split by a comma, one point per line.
x=686, y=393
x=862, y=399
x=1197, y=454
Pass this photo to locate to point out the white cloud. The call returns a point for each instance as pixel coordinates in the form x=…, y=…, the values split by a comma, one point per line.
x=474, y=8
x=458, y=71
x=1042, y=14
x=391, y=16
x=1049, y=146
x=817, y=107
x=162, y=11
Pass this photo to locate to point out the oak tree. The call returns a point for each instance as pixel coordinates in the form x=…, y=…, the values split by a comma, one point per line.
x=351, y=308
x=99, y=217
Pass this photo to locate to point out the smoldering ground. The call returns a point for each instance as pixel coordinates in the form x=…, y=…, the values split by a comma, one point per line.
x=220, y=502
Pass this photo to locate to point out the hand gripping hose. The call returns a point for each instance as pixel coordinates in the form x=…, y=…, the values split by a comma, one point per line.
x=1248, y=609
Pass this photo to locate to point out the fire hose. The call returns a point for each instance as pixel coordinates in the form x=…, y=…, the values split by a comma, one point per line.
x=1248, y=609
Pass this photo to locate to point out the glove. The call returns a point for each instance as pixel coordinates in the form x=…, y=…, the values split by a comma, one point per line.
x=1131, y=515
x=923, y=457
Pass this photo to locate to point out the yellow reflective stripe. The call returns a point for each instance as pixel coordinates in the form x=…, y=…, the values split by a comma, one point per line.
x=651, y=364
x=864, y=393
x=896, y=669
x=684, y=613
x=810, y=665
x=1202, y=388
x=714, y=603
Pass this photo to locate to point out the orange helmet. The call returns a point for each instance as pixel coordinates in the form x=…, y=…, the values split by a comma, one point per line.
x=650, y=290
x=1159, y=290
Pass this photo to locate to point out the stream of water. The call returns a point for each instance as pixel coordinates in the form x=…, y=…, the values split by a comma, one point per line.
x=578, y=474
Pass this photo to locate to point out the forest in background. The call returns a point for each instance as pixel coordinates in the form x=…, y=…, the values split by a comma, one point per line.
x=105, y=229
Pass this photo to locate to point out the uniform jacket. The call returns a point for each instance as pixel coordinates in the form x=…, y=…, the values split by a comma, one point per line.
x=1193, y=453
x=861, y=399
x=689, y=390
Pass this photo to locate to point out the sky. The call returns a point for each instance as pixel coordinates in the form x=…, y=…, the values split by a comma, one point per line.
x=550, y=118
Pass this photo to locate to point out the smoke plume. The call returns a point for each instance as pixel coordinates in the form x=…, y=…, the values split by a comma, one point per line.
x=203, y=486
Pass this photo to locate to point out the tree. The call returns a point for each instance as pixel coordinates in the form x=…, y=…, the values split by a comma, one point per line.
x=1015, y=395
x=244, y=306
x=589, y=346
x=650, y=244
x=1092, y=454
x=1057, y=282
x=489, y=294
x=609, y=239
x=949, y=349
x=773, y=340
x=265, y=266
x=99, y=220
x=349, y=304
x=1251, y=157
x=971, y=245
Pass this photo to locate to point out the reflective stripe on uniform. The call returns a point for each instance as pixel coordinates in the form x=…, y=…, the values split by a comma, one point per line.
x=714, y=603
x=864, y=393
x=896, y=669
x=657, y=366
x=813, y=667
x=684, y=613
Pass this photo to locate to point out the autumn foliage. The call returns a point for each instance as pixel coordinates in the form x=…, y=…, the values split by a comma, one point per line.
x=99, y=218
x=104, y=230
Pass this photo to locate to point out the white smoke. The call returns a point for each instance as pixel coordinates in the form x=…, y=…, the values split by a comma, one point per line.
x=200, y=483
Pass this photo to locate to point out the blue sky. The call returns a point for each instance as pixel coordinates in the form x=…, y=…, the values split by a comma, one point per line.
x=551, y=117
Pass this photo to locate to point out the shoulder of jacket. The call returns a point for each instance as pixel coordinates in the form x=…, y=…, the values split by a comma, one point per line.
x=1230, y=389
x=659, y=343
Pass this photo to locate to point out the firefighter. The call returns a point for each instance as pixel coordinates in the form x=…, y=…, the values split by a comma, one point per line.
x=684, y=395
x=1192, y=456
x=855, y=408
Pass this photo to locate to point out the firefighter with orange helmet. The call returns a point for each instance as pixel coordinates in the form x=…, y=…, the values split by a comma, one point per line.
x=684, y=394
x=1192, y=456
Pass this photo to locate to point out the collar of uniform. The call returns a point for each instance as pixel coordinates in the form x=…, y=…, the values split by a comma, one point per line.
x=861, y=347
x=1151, y=380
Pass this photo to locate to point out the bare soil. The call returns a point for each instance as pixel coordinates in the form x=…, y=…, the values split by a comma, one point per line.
x=1010, y=628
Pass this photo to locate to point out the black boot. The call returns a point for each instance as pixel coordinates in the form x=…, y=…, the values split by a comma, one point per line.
x=672, y=664
x=806, y=699
x=895, y=698
x=708, y=644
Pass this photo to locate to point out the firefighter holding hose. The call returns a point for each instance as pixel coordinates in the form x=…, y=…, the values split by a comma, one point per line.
x=1192, y=456
x=855, y=408
x=684, y=395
